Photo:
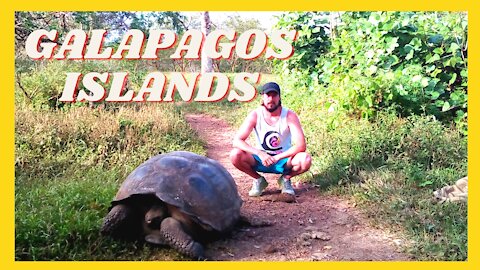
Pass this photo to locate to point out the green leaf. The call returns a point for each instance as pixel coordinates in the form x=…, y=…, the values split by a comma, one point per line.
x=424, y=82
x=416, y=43
x=453, y=47
x=431, y=85
x=390, y=75
x=438, y=51
x=401, y=91
x=309, y=34
x=446, y=106
x=431, y=59
x=439, y=103
x=426, y=183
x=436, y=72
x=430, y=68
x=434, y=95
x=453, y=79
x=455, y=96
x=407, y=48
x=369, y=101
x=392, y=44
x=455, y=60
x=416, y=78
x=409, y=55
x=389, y=61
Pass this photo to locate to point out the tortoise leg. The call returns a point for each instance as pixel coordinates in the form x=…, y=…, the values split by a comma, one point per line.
x=117, y=221
x=152, y=223
x=177, y=238
x=155, y=238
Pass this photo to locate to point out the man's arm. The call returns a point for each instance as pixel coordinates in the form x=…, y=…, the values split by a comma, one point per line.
x=239, y=141
x=298, y=137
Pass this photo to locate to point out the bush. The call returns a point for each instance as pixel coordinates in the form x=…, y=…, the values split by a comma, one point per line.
x=414, y=62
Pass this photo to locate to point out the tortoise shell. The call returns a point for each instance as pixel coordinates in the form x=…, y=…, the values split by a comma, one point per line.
x=196, y=185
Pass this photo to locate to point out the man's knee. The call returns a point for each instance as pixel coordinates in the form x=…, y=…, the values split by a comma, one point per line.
x=307, y=161
x=236, y=155
x=302, y=162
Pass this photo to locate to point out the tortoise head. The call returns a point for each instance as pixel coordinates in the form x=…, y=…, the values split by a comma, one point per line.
x=155, y=214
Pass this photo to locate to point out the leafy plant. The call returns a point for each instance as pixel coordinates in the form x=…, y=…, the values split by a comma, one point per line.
x=415, y=62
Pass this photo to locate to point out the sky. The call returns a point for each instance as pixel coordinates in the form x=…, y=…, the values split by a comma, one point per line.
x=266, y=18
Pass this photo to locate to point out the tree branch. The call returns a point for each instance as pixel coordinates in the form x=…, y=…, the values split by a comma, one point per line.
x=23, y=89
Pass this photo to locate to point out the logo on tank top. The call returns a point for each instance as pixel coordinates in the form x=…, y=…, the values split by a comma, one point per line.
x=271, y=141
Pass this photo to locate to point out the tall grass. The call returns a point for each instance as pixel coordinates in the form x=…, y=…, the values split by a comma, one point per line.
x=391, y=167
x=69, y=166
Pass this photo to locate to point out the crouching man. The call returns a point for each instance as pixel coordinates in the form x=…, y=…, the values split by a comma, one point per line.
x=280, y=146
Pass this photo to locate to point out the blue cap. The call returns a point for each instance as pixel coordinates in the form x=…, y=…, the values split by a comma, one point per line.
x=269, y=87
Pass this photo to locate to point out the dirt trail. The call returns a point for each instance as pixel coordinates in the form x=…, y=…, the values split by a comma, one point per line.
x=314, y=228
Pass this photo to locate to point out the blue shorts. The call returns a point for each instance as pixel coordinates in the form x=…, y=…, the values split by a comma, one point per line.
x=279, y=168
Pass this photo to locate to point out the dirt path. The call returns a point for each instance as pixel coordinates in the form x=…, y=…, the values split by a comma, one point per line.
x=314, y=228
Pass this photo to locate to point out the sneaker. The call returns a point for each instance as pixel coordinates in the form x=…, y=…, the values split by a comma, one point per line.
x=285, y=185
x=257, y=187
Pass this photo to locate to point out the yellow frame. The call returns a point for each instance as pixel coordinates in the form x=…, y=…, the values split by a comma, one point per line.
x=7, y=210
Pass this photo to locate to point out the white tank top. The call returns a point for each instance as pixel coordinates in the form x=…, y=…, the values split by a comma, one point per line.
x=273, y=139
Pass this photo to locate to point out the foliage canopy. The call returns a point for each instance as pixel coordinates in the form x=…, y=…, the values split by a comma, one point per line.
x=364, y=62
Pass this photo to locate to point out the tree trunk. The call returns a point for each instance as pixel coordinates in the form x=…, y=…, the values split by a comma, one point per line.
x=207, y=64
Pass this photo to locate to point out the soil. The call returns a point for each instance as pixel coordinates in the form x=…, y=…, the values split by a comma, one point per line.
x=308, y=227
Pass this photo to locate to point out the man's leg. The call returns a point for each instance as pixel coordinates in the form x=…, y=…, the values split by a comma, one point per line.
x=245, y=162
x=296, y=165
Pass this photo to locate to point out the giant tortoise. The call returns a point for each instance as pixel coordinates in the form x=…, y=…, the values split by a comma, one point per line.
x=179, y=198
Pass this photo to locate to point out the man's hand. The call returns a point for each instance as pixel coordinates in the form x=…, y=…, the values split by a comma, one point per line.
x=267, y=160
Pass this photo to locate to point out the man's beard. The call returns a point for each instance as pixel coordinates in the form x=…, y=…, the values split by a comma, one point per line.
x=274, y=108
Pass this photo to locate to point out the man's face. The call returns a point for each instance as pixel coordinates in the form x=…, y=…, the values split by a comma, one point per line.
x=271, y=101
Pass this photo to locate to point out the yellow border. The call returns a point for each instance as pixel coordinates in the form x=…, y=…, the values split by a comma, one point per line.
x=245, y=5
x=7, y=239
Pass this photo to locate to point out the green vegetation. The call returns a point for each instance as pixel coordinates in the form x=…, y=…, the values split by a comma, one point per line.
x=391, y=166
x=381, y=96
x=415, y=62
x=383, y=100
x=69, y=165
